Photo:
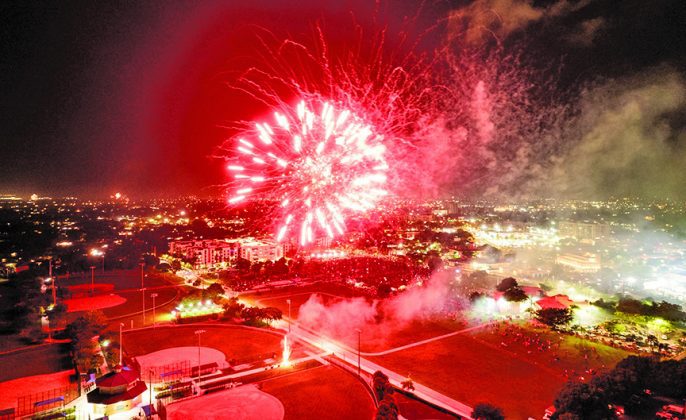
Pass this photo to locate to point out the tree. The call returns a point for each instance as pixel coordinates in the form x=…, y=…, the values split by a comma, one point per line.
x=242, y=264
x=485, y=411
x=583, y=401
x=233, y=308
x=554, y=317
x=257, y=316
x=545, y=287
x=388, y=409
x=669, y=311
x=475, y=280
x=506, y=283
x=474, y=296
x=272, y=314
x=83, y=332
x=57, y=314
x=213, y=291
x=88, y=325
x=30, y=306
x=280, y=267
x=515, y=294
x=379, y=380
x=630, y=306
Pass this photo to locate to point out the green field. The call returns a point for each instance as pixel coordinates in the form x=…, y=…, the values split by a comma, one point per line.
x=476, y=368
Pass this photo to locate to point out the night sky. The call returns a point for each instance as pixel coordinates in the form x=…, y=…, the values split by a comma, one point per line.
x=100, y=97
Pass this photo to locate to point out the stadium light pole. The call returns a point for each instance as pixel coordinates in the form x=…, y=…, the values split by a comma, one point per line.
x=54, y=283
x=359, y=344
x=154, y=320
x=150, y=379
x=92, y=280
x=143, y=290
x=121, y=344
x=198, y=332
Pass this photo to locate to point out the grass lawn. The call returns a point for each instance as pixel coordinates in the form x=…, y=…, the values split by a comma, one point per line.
x=11, y=390
x=234, y=342
x=325, y=392
x=35, y=360
x=414, y=409
x=472, y=370
x=121, y=279
x=574, y=353
x=396, y=336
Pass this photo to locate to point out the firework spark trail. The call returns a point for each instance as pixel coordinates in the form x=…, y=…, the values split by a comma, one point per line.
x=326, y=158
x=318, y=161
x=454, y=119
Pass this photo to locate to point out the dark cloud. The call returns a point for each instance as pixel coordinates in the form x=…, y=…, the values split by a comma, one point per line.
x=483, y=20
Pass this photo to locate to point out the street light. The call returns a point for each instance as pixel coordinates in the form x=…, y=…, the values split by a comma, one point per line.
x=289, y=315
x=198, y=332
x=359, y=341
x=54, y=283
x=121, y=343
x=143, y=291
x=98, y=253
x=154, y=320
x=92, y=280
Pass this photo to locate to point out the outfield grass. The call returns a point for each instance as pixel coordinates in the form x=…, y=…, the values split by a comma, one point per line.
x=473, y=369
x=234, y=342
x=325, y=392
x=568, y=352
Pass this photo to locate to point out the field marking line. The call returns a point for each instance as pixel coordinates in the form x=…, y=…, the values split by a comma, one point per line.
x=422, y=342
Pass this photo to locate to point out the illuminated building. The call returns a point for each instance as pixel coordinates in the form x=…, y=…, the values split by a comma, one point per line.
x=117, y=391
x=584, y=263
x=583, y=231
x=254, y=250
x=212, y=252
x=206, y=253
x=515, y=236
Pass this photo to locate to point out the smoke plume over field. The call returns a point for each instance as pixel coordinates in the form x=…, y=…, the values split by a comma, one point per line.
x=340, y=319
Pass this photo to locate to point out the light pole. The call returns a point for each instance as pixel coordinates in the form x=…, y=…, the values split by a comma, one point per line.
x=92, y=280
x=54, y=283
x=154, y=320
x=289, y=315
x=121, y=343
x=359, y=341
x=150, y=379
x=98, y=253
x=54, y=296
x=143, y=291
x=198, y=332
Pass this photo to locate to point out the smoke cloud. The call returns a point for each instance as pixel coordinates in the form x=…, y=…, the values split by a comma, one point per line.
x=627, y=140
x=378, y=318
x=338, y=318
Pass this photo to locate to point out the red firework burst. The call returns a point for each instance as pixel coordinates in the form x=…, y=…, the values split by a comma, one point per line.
x=321, y=161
